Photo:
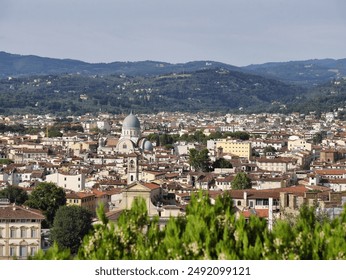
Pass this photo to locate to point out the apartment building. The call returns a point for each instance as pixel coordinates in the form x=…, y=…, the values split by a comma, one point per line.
x=20, y=231
x=234, y=147
x=73, y=182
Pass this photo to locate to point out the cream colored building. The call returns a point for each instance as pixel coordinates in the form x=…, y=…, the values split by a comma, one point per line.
x=20, y=231
x=297, y=143
x=234, y=147
x=85, y=200
x=282, y=164
x=152, y=194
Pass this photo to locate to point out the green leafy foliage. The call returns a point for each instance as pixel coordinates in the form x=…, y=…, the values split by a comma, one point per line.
x=242, y=135
x=14, y=194
x=5, y=161
x=54, y=132
x=53, y=253
x=317, y=138
x=47, y=197
x=199, y=160
x=71, y=224
x=119, y=241
x=210, y=231
x=222, y=163
x=241, y=181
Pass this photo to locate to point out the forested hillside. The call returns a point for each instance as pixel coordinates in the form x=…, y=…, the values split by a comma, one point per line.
x=204, y=90
x=32, y=84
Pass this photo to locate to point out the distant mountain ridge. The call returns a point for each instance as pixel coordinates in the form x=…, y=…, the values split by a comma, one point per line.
x=33, y=84
x=304, y=73
x=25, y=65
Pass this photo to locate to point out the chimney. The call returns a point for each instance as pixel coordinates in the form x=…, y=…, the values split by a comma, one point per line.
x=245, y=198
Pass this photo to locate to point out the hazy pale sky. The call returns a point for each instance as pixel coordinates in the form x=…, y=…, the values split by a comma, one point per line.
x=237, y=32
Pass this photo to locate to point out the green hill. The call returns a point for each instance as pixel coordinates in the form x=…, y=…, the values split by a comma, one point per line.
x=204, y=90
x=307, y=73
x=32, y=84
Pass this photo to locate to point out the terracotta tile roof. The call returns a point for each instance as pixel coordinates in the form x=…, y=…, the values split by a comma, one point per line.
x=330, y=171
x=262, y=213
x=114, y=215
x=78, y=195
x=156, y=173
x=298, y=190
x=19, y=212
x=114, y=191
x=151, y=186
x=72, y=195
x=277, y=160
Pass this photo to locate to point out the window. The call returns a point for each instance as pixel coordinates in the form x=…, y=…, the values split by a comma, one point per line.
x=13, y=233
x=1, y=250
x=12, y=251
x=23, y=232
x=23, y=251
x=33, y=233
x=33, y=251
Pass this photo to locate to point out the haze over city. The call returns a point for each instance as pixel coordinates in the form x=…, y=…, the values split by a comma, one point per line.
x=236, y=32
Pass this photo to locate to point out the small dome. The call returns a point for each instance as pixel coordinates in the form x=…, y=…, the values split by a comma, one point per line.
x=148, y=146
x=131, y=121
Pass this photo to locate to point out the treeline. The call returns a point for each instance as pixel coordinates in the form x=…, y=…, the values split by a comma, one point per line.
x=165, y=139
x=19, y=128
x=53, y=131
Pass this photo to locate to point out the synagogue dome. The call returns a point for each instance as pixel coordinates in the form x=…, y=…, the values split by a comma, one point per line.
x=131, y=121
x=148, y=146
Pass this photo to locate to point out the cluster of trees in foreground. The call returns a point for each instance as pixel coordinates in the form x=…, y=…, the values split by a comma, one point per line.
x=207, y=231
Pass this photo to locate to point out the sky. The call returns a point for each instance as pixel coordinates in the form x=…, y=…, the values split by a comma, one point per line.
x=237, y=32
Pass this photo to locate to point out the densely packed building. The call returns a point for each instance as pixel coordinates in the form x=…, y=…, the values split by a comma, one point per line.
x=290, y=159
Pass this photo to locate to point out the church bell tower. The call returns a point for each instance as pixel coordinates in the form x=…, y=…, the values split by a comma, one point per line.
x=132, y=168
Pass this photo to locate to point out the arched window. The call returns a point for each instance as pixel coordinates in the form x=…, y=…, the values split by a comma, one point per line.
x=23, y=232
x=33, y=232
x=23, y=249
x=124, y=146
x=13, y=232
